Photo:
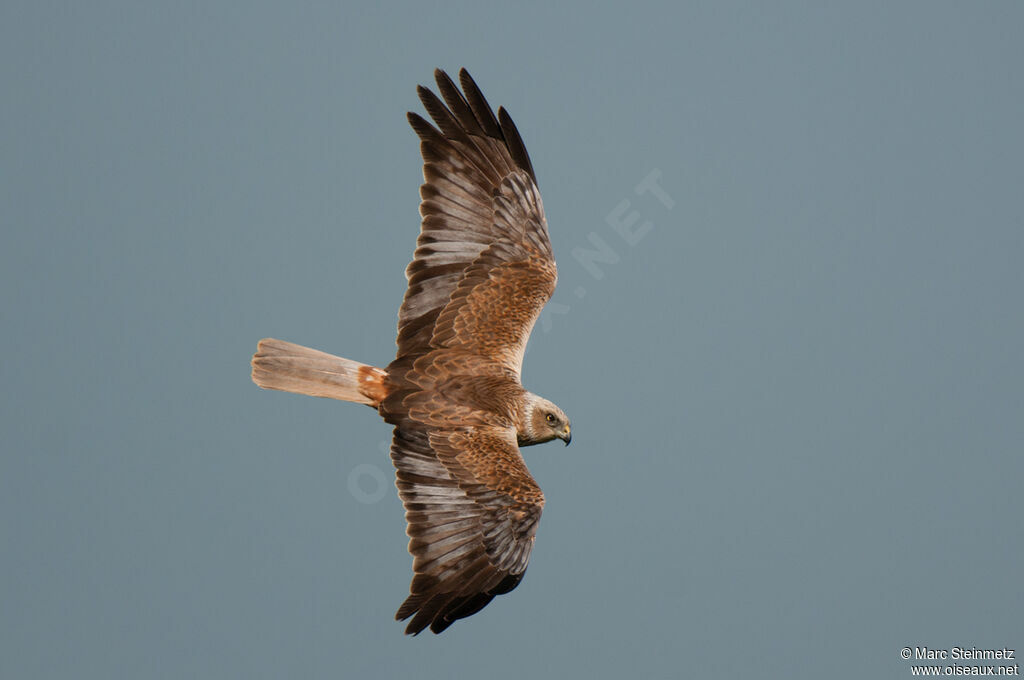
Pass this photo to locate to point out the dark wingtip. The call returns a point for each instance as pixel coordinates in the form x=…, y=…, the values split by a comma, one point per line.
x=478, y=103
x=424, y=93
x=514, y=142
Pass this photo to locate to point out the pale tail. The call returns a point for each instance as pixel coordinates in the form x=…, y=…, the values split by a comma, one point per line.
x=280, y=365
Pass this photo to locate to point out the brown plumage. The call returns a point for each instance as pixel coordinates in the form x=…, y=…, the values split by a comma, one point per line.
x=481, y=273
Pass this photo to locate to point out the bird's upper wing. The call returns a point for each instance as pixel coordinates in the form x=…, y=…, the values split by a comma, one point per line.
x=472, y=509
x=483, y=267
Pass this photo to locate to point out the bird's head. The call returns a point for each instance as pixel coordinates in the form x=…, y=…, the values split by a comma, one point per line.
x=545, y=422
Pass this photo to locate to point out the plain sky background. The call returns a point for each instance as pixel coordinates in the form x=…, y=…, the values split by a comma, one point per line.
x=797, y=400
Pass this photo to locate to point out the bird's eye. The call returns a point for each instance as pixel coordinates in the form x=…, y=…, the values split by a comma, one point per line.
x=550, y=418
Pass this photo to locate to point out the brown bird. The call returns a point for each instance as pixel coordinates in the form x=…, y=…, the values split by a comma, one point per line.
x=481, y=273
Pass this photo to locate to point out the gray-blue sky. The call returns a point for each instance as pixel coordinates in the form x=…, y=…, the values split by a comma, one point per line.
x=796, y=400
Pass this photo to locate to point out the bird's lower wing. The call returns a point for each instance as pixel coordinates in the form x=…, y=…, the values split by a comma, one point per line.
x=472, y=510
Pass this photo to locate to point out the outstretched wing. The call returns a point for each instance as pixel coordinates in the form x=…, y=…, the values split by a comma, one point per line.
x=483, y=267
x=472, y=509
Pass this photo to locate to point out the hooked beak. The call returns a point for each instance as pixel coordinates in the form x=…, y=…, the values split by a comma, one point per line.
x=566, y=436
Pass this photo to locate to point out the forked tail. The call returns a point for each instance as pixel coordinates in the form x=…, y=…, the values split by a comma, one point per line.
x=280, y=365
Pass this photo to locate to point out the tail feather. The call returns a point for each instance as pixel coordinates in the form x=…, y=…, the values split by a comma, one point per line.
x=280, y=365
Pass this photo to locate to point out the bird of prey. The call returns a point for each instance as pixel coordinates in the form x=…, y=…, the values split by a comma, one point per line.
x=481, y=273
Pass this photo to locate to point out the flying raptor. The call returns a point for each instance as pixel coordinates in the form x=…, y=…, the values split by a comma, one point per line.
x=481, y=273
